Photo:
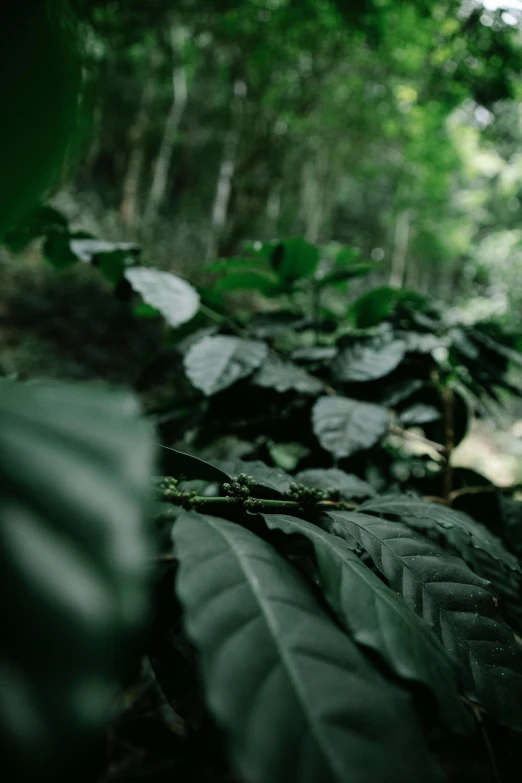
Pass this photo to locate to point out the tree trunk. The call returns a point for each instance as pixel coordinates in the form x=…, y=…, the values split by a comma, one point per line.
x=161, y=169
x=400, y=249
x=226, y=174
x=133, y=176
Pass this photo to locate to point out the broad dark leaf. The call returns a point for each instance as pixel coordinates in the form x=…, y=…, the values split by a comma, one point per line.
x=274, y=479
x=265, y=325
x=283, y=376
x=173, y=297
x=374, y=307
x=379, y=620
x=294, y=259
x=368, y=360
x=460, y=530
x=345, y=426
x=75, y=467
x=454, y=601
x=297, y=700
x=214, y=363
x=348, y=485
x=180, y=465
x=249, y=280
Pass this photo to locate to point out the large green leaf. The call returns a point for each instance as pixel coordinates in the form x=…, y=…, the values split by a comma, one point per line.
x=180, y=465
x=293, y=259
x=249, y=280
x=268, y=478
x=214, y=363
x=172, y=296
x=368, y=360
x=454, y=601
x=297, y=700
x=75, y=467
x=348, y=273
x=458, y=529
x=374, y=307
x=348, y=485
x=283, y=376
x=345, y=426
x=379, y=620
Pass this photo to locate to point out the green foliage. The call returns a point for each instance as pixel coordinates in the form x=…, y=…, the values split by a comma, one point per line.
x=75, y=471
x=332, y=642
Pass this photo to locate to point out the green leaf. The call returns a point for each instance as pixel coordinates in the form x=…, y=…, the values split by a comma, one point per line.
x=458, y=529
x=285, y=376
x=374, y=307
x=273, y=479
x=75, y=470
x=287, y=456
x=419, y=414
x=295, y=697
x=342, y=275
x=43, y=221
x=368, y=360
x=379, y=620
x=315, y=353
x=249, y=280
x=401, y=391
x=454, y=602
x=57, y=250
x=294, y=259
x=344, y=426
x=215, y=363
x=265, y=325
x=87, y=250
x=175, y=299
x=348, y=485
x=180, y=465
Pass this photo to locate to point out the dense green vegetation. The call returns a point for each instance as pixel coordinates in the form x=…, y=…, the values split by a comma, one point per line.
x=291, y=232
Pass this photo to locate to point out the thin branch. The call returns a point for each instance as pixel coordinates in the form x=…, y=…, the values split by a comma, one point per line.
x=408, y=435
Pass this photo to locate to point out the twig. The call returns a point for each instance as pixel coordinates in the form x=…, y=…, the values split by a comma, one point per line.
x=408, y=435
x=448, y=399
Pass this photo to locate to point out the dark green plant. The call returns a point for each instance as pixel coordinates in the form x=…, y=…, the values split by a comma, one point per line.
x=347, y=619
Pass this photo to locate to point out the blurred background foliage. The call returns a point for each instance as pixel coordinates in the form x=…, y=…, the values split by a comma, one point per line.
x=390, y=127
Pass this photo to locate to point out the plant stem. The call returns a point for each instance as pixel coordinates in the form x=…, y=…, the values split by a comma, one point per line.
x=407, y=435
x=448, y=399
x=201, y=503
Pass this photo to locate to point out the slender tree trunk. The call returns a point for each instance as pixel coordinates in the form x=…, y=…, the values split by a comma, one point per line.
x=226, y=174
x=314, y=194
x=161, y=168
x=400, y=249
x=273, y=210
x=133, y=176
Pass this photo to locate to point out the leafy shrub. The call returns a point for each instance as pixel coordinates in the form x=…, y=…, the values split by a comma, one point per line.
x=349, y=616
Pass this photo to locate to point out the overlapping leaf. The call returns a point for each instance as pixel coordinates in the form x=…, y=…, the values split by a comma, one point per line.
x=454, y=601
x=379, y=620
x=368, y=360
x=173, y=297
x=285, y=376
x=214, y=363
x=75, y=467
x=344, y=426
x=348, y=485
x=275, y=480
x=297, y=700
x=460, y=530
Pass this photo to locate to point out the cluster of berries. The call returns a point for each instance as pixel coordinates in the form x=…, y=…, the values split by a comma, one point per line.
x=240, y=486
x=305, y=496
x=168, y=488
